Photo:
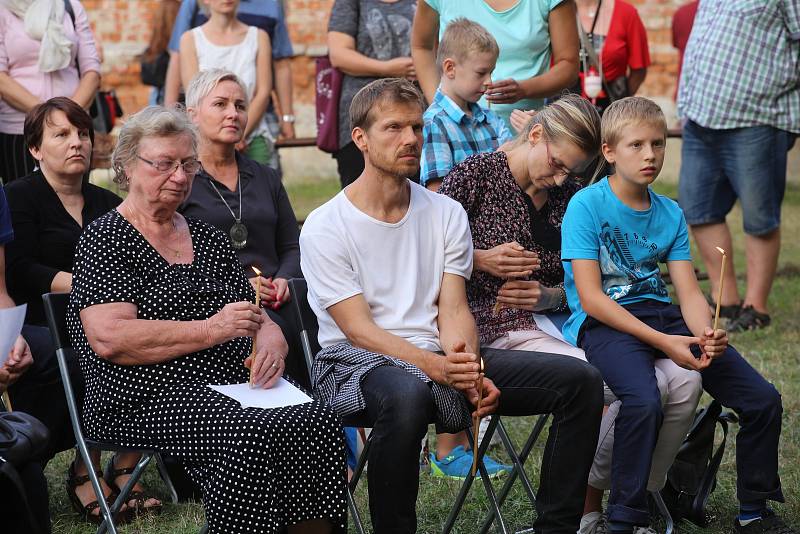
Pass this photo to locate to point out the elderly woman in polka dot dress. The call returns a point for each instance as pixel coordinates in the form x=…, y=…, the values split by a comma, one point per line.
x=160, y=308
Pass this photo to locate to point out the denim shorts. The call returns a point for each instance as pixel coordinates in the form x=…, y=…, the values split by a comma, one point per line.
x=720, y=166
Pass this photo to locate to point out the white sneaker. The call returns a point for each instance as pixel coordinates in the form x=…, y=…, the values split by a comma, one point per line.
x=594, y=523
x=484, y=426
x=644, y=530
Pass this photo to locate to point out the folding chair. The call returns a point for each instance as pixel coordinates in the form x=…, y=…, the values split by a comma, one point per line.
x=308, y=326
x=55, y=307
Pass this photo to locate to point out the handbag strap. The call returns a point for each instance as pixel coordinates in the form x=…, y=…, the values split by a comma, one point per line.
x=698, y=505
x=71, y=13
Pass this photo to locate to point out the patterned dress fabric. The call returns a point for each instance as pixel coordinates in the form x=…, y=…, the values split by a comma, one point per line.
x=260, y=470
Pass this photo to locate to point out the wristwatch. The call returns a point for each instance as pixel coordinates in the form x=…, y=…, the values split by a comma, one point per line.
x=288, y=118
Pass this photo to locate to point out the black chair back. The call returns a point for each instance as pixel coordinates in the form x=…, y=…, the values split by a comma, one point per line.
x=55, y=308
x=306, y=319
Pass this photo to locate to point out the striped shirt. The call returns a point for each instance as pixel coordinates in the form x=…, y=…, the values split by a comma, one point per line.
x=742, y=65
x=450, y=135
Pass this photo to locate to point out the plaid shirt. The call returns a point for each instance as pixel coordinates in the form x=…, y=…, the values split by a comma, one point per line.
x=742, y=65
x=450, y=135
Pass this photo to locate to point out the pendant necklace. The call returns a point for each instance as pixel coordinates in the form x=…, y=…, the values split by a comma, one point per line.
x=238, y=231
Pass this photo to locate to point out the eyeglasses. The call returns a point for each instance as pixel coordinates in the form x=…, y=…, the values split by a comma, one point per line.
x=558, y=170
x=168, y=166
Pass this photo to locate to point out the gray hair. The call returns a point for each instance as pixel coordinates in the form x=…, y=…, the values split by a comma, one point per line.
x=152, y=121
x=205, y=81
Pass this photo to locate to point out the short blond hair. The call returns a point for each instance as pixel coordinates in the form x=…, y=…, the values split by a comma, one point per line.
x=627, y=111
x=463, y=37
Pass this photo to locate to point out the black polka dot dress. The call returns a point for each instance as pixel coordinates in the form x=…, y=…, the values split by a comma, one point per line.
x=260, y=470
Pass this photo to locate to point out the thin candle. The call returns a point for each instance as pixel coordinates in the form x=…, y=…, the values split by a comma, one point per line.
x=477, y=423
x=7, y=401
x=255, y=338
x=721, y=283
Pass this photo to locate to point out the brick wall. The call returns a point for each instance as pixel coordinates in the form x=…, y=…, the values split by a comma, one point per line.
x=122, y=28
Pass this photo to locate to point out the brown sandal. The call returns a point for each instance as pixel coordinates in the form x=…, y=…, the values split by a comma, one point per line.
x=110, y=475
x=85, y=510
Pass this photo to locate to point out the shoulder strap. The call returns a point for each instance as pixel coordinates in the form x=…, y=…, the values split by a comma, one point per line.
x=71, y=13
x=586, y=44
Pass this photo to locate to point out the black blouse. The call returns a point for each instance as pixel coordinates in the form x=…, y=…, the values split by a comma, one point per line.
x=45, y=237
x=273, y=240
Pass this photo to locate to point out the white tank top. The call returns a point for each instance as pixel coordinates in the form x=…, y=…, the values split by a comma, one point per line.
x=239, y=59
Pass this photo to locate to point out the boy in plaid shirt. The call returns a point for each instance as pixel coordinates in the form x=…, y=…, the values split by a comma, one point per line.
x=456, y=127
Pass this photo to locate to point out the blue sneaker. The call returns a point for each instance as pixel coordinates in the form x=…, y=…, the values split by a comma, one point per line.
x=458, y=464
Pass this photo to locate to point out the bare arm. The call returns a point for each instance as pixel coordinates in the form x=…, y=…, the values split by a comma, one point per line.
x=424, y=36
x=188, y=55
x=354, y=318
x=345, y=57
x=283, y=88
x=258, y=105
x=635, y=80
x=87, y=88
x=16, y=95
x=62, y=282
x=115, y=333
x=172, y=82
x=694, y=308
x=601, y=307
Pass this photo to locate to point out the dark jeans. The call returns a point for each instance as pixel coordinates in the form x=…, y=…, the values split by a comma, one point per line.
x=627, y=367
x=400, y=407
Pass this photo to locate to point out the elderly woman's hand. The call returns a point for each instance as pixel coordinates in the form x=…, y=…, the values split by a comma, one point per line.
x=19, y=359
x=237, y=319
x=270, y=356
x=509, y=260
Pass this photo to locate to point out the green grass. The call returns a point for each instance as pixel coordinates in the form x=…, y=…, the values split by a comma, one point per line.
x=772, y=351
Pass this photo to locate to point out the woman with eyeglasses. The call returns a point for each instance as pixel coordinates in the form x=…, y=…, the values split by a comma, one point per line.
x=245, y=199
x=515, y=199
x=49, y=209
x=160, y=308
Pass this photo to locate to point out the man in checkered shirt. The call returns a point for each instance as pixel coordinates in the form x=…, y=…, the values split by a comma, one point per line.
x=740, y=96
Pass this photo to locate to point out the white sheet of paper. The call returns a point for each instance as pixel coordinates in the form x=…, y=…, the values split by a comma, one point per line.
x=281, y=394
x=547, y=326
x=11, y=320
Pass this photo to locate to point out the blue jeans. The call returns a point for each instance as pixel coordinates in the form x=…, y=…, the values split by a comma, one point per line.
x=400, y=407
x=627, y=367
x=720, y=166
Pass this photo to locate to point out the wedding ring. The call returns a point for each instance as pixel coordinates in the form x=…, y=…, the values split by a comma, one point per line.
x=274, y=365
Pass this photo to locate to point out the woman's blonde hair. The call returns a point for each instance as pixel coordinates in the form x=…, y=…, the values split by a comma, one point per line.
x=152, y=121
x=570, y=119
x=206, y=80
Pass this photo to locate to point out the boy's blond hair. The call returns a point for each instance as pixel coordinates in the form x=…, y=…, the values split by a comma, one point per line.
x=627, y=111
x=463, y=37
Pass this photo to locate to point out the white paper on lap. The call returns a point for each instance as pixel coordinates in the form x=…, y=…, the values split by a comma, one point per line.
x=281, y=394
x=551, y=324
x=11, y=320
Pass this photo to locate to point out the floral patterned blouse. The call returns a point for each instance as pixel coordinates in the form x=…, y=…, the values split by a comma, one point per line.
x=499, y=212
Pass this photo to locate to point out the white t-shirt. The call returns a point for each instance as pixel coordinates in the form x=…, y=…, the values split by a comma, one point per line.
x=397, y=267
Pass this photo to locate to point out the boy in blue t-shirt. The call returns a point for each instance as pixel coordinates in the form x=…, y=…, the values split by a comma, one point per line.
x=614, y=235
x=456, y=126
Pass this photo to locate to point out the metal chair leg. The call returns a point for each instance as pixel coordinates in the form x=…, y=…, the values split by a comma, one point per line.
x=519, y=462
x=141, y=465
x=162, y=471
x=105, y=511
x=351, y=487
x=663, y=510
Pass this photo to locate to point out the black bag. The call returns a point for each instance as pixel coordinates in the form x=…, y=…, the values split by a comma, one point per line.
x=105, y=108
x=23, y=441
x=22, y=437
x=693, y=475
x=154, y=73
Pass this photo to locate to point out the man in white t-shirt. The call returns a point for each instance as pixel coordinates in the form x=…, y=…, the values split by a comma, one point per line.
x=386, y=263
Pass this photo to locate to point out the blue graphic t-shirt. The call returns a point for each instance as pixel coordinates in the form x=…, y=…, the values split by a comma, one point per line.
x=628, y=244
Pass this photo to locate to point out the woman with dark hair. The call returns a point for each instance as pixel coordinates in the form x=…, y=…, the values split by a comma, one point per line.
x=49, y=209
x=41, y=46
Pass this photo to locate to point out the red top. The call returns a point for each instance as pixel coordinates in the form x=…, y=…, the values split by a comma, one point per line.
x=626, y=43
x=682, y=22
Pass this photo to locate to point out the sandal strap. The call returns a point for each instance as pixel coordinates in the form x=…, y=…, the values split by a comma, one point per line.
x=122, y=471
x=75, y=480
